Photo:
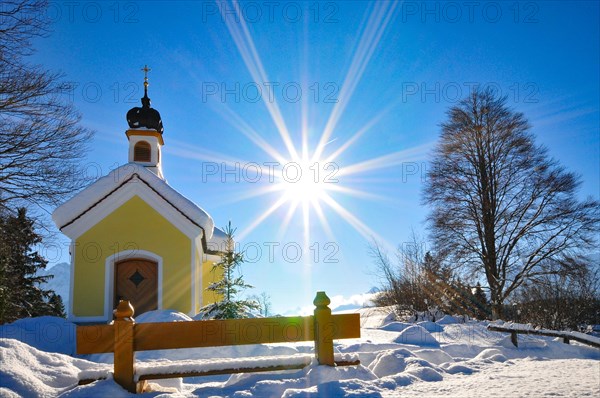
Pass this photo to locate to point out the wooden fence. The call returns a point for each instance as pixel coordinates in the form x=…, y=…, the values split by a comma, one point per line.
x=124, y=337
x=566, y=336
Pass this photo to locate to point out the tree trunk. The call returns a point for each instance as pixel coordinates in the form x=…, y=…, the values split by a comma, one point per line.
x=496, y=311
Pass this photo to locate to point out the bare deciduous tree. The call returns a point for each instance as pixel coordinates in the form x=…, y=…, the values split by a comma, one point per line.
x=41, y=140
x=500, y=204
x=567, y=300
x=264, y=303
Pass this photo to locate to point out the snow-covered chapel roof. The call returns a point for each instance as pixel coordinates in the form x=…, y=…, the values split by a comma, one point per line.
x=218, y=242
x=102, y=189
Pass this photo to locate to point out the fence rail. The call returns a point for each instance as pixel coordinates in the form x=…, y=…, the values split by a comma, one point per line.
x=566, y=336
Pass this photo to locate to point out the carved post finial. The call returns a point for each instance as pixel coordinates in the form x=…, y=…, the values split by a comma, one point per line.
x=321, y=300
x=124, y=310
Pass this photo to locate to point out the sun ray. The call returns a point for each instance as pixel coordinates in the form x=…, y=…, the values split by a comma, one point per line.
x=288, y=217
x=306, y=223
x=356, y=192
x=323, y=220
x=304, y=99
x=261, y=218
x=245, y=45
x=413, y=154
x=358, y=225
x=189, y=151
x=358, y=134
x=251, y=193
x=236, y=121
x=376, y=25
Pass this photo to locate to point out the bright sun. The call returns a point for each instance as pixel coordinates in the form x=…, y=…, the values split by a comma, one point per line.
x=302, y=182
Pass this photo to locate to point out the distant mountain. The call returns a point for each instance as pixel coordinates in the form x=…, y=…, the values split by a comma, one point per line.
x=61, y=281
x=346, y=307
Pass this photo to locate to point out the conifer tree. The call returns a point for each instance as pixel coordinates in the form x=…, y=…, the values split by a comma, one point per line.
x=56, y=305
x=20, y=292
x=230, y=285
x=481, y=301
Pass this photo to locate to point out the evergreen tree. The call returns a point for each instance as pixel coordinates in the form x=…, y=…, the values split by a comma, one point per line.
x=20, y=291
x=229, y=286
x=481, y=302
x=56, y=305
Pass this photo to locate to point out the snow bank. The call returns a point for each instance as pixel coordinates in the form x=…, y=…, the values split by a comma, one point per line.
x=99, y=389
x=29, y=372
x=434, y=356
x=416, y=335
x=389, y=318
x=336, y=389
x=395, y=326
x=491, y=354
x=46, y=333
x=162, y=316
x=448, y=320
x=324, y=374
x=390, y=362
x=423, y=370
x=375, y=317
x=431, y=327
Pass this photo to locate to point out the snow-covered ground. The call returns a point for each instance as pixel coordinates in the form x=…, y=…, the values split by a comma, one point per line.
x=397, y=359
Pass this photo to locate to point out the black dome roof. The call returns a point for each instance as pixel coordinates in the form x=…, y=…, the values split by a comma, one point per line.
x=145, y=116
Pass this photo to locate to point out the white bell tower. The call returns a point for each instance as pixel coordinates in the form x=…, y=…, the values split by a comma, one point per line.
x=145, y=133
x=145, y=149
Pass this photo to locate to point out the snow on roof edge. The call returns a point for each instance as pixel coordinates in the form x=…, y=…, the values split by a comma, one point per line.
x=104, y=186
x=218, y=241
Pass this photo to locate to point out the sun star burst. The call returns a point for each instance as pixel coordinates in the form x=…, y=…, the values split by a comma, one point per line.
x=308, y=179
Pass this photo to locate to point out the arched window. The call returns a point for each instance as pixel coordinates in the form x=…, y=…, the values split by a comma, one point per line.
x=141, y=152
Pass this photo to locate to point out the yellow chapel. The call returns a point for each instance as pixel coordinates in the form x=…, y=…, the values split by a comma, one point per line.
x=134, y=237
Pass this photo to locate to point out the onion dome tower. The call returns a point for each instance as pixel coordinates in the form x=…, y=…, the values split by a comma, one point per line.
x=145, y=133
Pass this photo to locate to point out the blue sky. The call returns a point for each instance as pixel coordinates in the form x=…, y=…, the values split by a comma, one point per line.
x=362, y=84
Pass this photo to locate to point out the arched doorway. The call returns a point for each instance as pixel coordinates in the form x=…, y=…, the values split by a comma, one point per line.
x=136, y=280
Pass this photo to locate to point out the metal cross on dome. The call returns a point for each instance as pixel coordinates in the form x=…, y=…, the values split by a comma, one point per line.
x=145, y=69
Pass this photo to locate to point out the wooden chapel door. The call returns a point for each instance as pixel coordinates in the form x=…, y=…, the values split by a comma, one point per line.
x=136, y=280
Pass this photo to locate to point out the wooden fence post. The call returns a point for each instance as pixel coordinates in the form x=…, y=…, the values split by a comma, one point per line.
x=124, y=325
x=324, y=330
x=513, y=339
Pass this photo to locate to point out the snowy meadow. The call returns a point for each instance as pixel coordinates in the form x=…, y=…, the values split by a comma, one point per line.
x=449, y=357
